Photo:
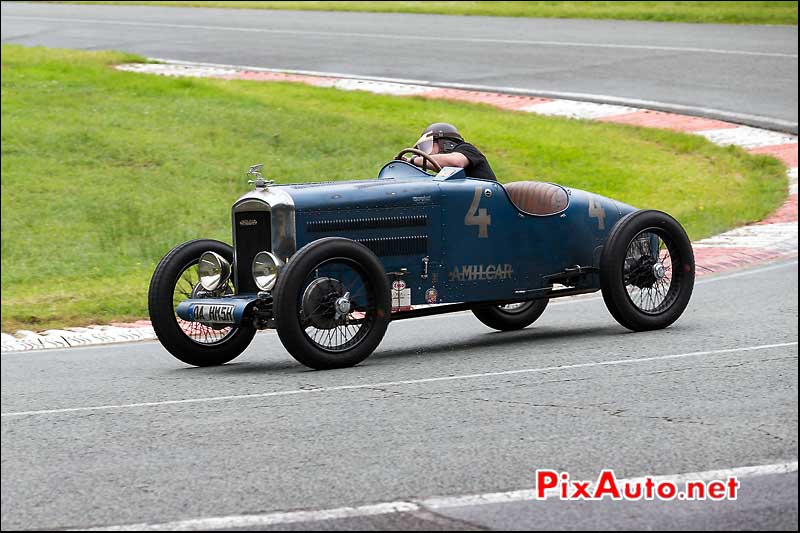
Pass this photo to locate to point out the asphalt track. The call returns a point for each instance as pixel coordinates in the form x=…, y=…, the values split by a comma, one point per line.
x=125, y=434
x=728, y=71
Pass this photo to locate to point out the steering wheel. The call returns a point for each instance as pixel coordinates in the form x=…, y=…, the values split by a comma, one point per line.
x=427, y=158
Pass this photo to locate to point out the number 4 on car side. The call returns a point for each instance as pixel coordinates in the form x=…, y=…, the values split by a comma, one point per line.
x=329, y=265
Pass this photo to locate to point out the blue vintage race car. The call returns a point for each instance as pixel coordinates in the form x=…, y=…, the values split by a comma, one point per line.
x=329, y=265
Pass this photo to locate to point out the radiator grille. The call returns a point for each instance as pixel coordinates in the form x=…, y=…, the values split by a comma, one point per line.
x=252, y=234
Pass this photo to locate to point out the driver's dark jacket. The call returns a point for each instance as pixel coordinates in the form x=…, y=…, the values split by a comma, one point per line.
x=478, y=166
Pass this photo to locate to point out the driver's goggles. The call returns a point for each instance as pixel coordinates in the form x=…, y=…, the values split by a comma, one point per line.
x=425, y=143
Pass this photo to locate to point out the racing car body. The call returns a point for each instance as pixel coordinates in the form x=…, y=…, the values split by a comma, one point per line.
x=330, y=264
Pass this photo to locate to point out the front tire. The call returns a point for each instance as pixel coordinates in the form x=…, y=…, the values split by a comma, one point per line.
x=174, y=280
x=511, y=317
x=647, y=270
x=332, y=304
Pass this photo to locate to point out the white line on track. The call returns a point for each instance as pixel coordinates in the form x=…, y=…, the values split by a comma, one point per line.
x=412, y=38
x=383, y=384
x=430, y=504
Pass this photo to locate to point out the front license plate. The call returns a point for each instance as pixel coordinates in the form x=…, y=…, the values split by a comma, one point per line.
x=211, y=313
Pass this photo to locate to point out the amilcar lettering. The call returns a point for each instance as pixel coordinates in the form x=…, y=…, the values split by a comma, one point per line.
x=481, y=272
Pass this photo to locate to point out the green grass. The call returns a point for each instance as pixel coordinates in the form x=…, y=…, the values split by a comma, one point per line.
x=104, y=171
x=708, y=11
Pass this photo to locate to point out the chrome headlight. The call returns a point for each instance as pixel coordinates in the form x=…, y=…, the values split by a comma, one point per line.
x=265, y=270
x=213, y=270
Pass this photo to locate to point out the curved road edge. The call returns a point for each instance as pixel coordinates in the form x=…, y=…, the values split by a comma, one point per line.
x=770, y=239
x=746, y=119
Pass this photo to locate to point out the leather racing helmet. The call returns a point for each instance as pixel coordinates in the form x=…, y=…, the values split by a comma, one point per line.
x=446, y=134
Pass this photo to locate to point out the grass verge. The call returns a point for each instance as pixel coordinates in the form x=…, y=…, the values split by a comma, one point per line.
x=104, y=171
x=667, y=11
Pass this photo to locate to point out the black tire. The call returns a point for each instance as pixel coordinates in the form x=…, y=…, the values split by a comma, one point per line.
x=216, y=347
x=293, y=285
x=640, y=294
x=505, y=318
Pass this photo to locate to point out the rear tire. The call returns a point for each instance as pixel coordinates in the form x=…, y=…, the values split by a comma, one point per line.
x=194, y=343
x=506, y=318
x=647, y=270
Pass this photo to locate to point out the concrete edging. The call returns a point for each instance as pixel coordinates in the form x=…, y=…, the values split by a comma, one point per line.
x=746, y=119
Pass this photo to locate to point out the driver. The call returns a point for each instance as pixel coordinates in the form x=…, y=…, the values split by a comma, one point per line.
x=447, y=147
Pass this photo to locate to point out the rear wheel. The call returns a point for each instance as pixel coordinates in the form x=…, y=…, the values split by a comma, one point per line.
x=647, y=270
x=512, y=316
x=332, y=304
x=175, y=280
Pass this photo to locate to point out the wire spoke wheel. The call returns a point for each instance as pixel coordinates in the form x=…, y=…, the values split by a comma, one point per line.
x=647, y=272
x=337, y=307
x=175, y=280
x=188, y=286
x=332, y=303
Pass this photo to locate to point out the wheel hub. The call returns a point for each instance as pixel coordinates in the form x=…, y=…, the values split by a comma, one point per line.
x=658, y=271
x=325, y=303
x=645, y=272
x=343, y=306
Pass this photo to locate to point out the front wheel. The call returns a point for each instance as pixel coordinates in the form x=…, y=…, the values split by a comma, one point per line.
x=647, y=270
x=175, y=280
x=512, y=316
x=332, y=303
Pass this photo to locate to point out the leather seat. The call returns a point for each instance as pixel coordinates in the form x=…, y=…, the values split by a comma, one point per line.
x=536, y=197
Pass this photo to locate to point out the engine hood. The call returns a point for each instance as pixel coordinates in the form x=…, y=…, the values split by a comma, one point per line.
x=376, y=193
